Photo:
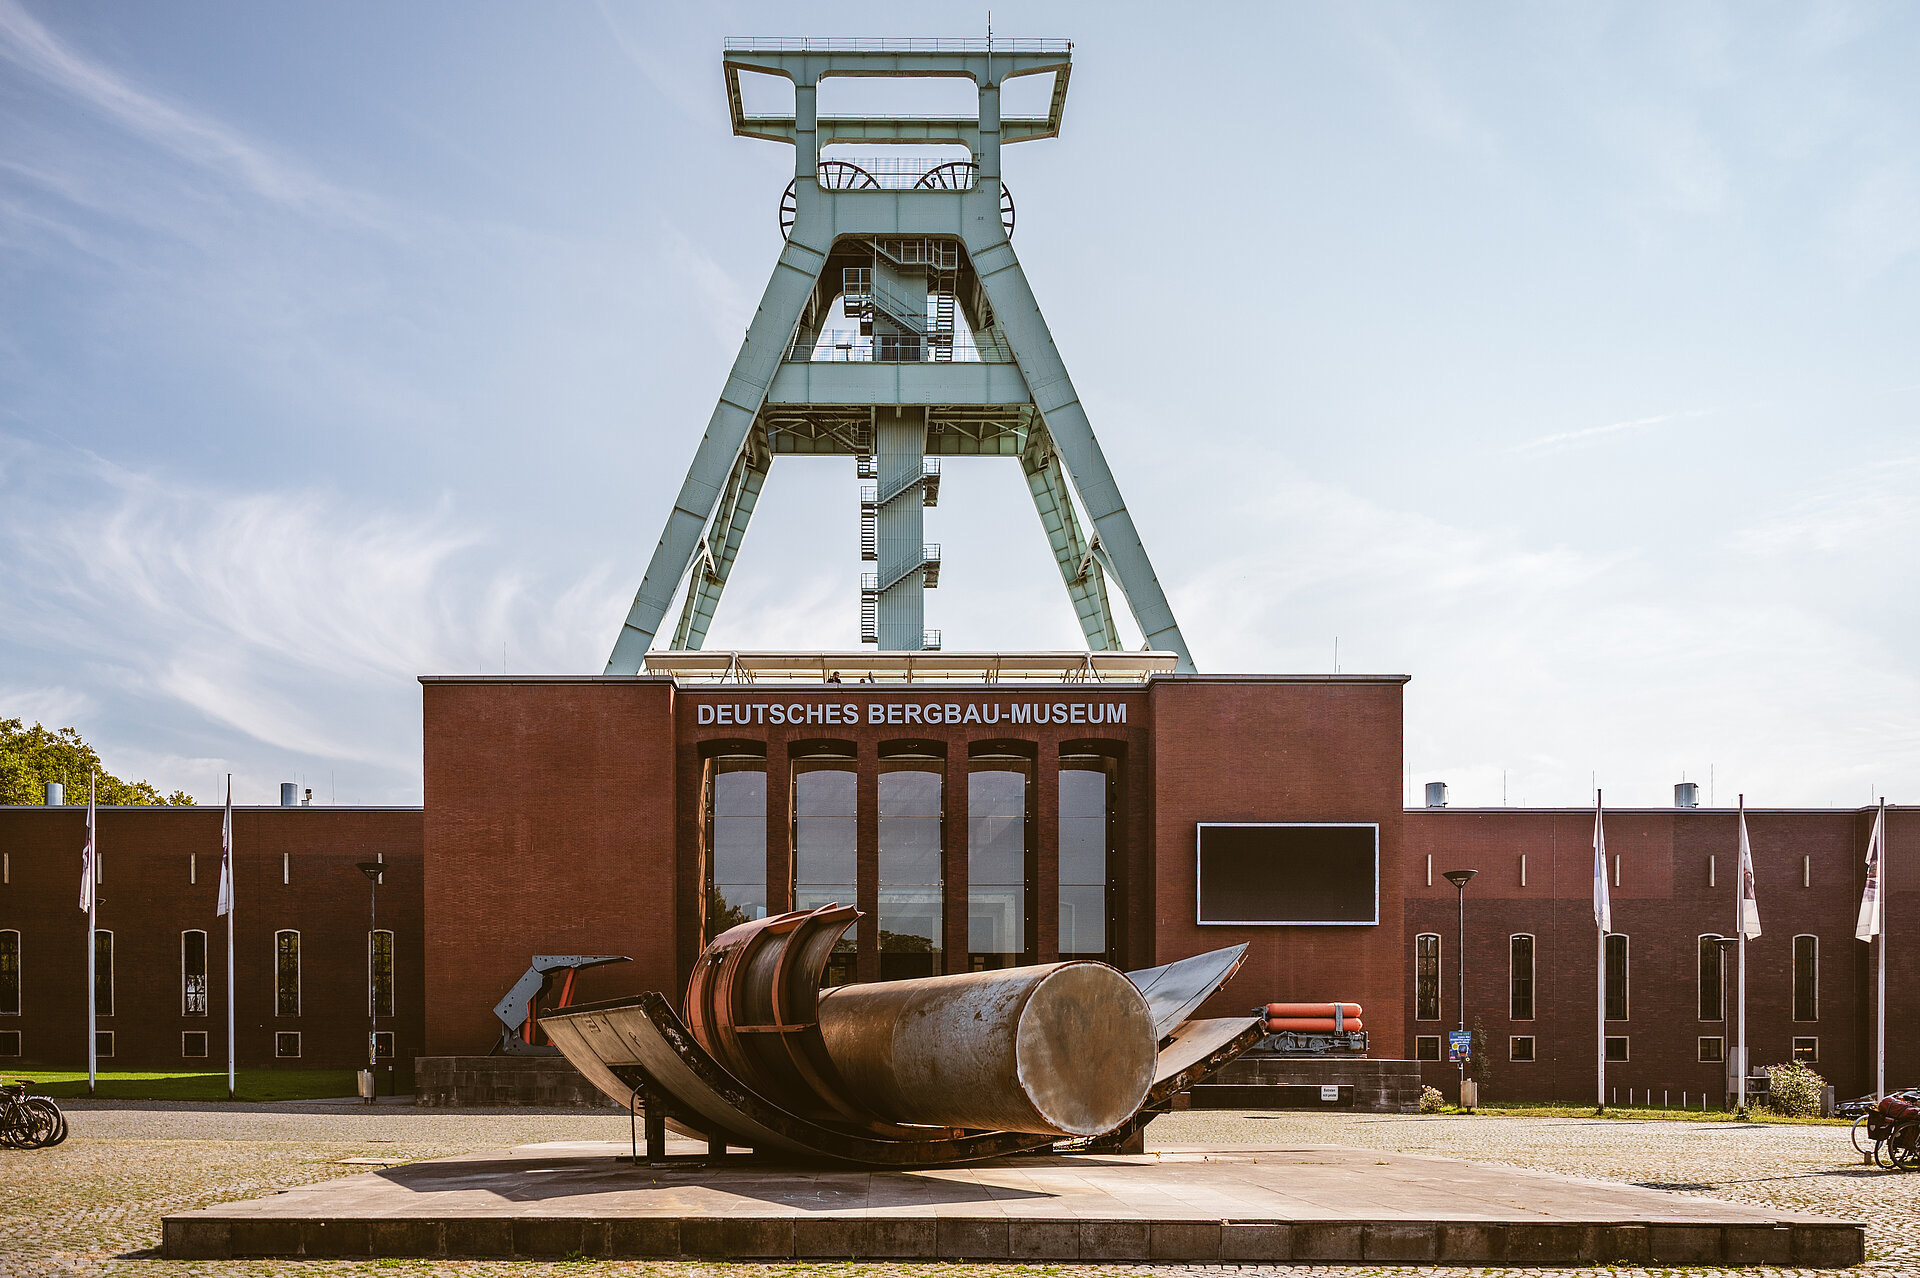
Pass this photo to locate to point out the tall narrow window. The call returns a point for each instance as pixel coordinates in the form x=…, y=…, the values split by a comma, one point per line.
x=825, y=834
x=999, y=863
x=1520, y=979
x=736, y=794
x=9, y=973
x=1806, y=978
x=1426, y=977
x=1616, y=976
x=1086, y=789
x=193, y=973
x=1713, y=980
x=103, y=973
x=286, y=974
x=380, y=975
x=911, y=796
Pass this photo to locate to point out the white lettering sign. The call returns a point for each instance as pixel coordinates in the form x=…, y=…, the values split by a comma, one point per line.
x=902, y=712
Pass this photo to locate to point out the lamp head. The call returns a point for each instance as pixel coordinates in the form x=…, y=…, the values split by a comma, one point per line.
x=1459, y=878
x=372, y=869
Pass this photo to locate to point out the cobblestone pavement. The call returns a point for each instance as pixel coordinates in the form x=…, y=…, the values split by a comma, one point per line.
x=93, y=1205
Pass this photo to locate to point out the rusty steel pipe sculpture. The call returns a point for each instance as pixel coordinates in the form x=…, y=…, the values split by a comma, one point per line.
x=936, y=1070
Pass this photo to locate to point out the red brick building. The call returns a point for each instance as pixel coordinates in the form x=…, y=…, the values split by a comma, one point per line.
x=992, y=816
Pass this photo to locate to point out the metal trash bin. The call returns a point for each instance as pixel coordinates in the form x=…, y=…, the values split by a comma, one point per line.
x=366, y=1085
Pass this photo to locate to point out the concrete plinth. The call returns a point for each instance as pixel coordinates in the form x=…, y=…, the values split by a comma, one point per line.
x=453, y=1081
x=1296, y=1203
x=1290, y=1082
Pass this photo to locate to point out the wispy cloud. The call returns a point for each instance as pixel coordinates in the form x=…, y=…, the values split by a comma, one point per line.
x=1570, y=438
x=187, y=134
x=292, y=617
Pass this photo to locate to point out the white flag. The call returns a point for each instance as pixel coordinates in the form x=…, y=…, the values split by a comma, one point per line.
x=226, y=855
x=86, y=858
x=1602, y=899
x=1871, y=905
x=1749, y=904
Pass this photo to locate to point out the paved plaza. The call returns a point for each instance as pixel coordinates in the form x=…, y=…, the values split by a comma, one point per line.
x=94, y=1205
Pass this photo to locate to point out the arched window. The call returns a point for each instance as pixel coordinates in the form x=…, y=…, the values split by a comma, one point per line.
x=193, y=974
x=912, y=840
x=1806, y=978
x=736, y=802
x=826, y=791
x=1086, y=843
x=1520, y=979
x=1617, y=980
x=1426, y=976
x=286, y=973
x=103, y=974
x=380, y=972
x=1712, y=979
x=1000, y=861
x=9, y=973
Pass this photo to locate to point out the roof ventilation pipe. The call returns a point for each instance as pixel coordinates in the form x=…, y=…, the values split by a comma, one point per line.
x=1436, y=794
x=1686, y=795
x=56, y=794
x=289, y=795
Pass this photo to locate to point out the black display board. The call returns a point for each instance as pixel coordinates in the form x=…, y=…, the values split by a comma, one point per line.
x=1295, y=873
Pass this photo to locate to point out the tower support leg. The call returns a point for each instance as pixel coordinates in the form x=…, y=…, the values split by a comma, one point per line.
x=1079, y=569
x=708, y=577
x=781, y=308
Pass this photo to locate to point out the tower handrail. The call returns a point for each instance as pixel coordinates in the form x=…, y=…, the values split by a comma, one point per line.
x=883, y=44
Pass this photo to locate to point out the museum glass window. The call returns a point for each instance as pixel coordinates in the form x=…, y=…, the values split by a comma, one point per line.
x=1616, y=976
x=1426, y=976
x=825, y=841
x=1806, y=978
x=1713, y=980
x=193, y=973
x=286, y=973
x=1520, y=978
x=912, y=790
x=1000, y=929
x=736, y=837
x=1086, y=845
x=1713, y=1048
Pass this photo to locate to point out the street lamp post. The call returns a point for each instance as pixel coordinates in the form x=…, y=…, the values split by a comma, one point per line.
x=1460, y=879
x=373, y=870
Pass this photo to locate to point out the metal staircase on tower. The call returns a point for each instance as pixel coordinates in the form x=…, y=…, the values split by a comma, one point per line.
x=899, y=328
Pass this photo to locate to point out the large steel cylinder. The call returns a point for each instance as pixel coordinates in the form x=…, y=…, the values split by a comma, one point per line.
x=1064, y=1049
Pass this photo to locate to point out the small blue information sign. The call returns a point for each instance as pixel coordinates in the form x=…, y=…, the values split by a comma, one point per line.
x=1459, y=1045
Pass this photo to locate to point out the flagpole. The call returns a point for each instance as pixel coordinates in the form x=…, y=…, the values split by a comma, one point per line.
x=1740, y=929
x=93, y=943
x=1880, y=1032
x=1600, y=952
x=226, y=854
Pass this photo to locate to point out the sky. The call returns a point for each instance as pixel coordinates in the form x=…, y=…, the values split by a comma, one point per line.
x=1560, y=356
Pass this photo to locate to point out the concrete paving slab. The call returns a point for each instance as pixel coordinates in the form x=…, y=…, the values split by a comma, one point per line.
x=1183, y=1203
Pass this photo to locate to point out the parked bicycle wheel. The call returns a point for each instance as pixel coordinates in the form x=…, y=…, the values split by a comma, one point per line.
x=45, y=1105
x=1903, y=1147
x=1862, y=1143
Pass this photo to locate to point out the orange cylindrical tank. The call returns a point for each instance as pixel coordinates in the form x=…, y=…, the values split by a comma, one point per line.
x=1311, y=1024
x=1312, y=1009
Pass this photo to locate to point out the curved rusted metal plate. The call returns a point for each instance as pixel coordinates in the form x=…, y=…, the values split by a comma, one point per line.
x=1176, y=990
x=643, y=1034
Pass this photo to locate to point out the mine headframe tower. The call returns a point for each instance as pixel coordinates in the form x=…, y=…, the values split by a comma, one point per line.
x=897, y=250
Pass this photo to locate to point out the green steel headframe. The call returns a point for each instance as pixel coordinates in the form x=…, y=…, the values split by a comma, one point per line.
x=901, y=253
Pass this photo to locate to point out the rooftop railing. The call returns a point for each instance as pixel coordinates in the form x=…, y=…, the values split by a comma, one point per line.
x=897, y=172
x=871, y=44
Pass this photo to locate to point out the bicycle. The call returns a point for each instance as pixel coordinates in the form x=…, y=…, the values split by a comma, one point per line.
x=29, y=1122
x=1893, y=1125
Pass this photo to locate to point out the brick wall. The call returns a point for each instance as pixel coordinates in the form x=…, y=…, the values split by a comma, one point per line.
x=147, y=900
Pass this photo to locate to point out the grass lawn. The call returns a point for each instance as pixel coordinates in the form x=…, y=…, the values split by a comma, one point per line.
x=253, y=1084
x=1518, y=1109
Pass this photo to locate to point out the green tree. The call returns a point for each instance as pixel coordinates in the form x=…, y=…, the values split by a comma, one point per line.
x=31, y=757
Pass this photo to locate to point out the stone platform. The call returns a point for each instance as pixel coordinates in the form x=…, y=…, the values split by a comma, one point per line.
x=1302, y=1203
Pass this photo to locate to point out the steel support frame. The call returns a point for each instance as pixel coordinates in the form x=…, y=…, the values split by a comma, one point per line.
x=714, y=563
x=1082, y=573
